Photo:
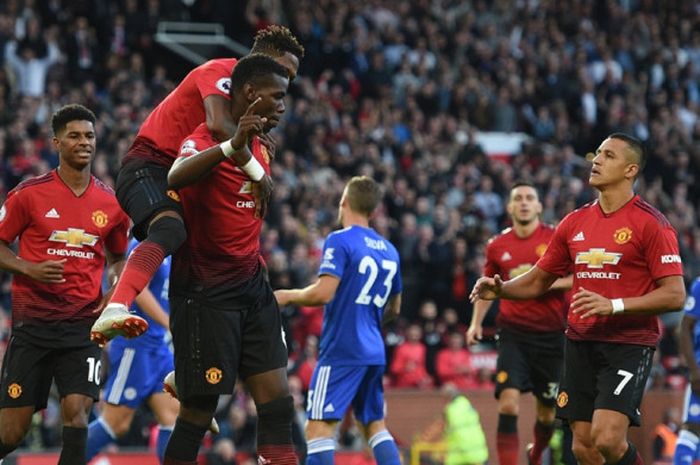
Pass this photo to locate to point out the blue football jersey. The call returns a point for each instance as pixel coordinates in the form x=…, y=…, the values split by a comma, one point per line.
x=159, y=287
x=369, y=271
x=692, y=308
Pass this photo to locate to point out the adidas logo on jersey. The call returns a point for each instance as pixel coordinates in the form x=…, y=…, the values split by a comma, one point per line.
x=329, y=409
x=506, y=256
x=52, y=214
x=579, y=237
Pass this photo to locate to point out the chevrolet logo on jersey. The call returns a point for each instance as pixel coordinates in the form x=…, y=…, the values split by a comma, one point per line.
x=74, y=237
x=596, y=258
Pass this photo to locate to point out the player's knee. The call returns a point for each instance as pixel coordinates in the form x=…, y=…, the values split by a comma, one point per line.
x=581, y=452
x=275, y=421
x=168, y=232
x=11, y=436
x=198, y=410
x=609, y=444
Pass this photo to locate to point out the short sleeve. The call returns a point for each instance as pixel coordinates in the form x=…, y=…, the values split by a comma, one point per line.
x=190, y=146
x=692, y=302
x=214, y=79
x=334, y=257
x=491, y=267
x=661, y=251
x=118, y=238
x=556, y=259
x=14, y=216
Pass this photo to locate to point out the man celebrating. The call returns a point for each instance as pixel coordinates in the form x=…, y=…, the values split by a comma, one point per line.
x=224, y=318
x=627, y=269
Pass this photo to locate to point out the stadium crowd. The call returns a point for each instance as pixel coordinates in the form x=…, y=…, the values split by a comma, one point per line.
x=399, y=91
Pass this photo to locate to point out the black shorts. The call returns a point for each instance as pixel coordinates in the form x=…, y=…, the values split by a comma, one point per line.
x=142, y=192
x=530, y=361
x=602, y=375
x=214, y=345
x=28, y=369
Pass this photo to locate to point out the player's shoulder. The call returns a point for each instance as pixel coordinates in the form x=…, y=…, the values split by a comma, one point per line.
x=646, y=211
x=30, y=185
x=102, y=187
x=222, y=63
x=200, y=139
x=500, y=236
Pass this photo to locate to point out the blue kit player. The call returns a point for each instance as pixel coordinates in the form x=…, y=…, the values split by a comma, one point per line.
x=689, y=345
x=358, y=277
x=137, y=369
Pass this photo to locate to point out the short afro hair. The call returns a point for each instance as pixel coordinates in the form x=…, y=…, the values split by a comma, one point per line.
x=275, y=41
x=252, y=67
x=68, y=113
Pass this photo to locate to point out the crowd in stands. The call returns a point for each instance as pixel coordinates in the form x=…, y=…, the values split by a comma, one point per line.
x=399, y=91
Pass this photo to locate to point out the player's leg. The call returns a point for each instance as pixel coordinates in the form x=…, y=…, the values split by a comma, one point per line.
x=165, y=408
x=264, y=369
x=114, y=421
x=368, y=406
x=621, y=380
x=75, y=410
x=77, y=376
x=25, y=386
x=689, y=436
x=582, y=444
x=142, y=191
x=545, y=357
x=512, y=376
x=206, y=343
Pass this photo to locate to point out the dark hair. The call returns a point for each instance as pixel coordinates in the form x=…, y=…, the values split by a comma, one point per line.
x=635, y=145
x=523, y=183
x=253, y=67
x=68, y=113
x=275, y=41
x=363, y=194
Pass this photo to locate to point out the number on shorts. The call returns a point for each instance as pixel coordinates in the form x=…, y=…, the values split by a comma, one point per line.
x=626, y=377
x=369, y=265
x=552, y=391
x=94, y=368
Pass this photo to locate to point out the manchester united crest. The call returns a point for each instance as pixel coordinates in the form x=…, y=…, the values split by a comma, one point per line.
x=622, y=235
x=541, y=249
x=562, y=399
x=14, y=390
x=502, y=377
x=213, y=375
x=99, y=218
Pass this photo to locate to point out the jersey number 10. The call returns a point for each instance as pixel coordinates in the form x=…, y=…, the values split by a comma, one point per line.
x=369, y=265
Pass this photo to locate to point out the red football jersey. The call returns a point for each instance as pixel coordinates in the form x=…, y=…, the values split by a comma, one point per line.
x=179, y=114
x=616, y=255
x=223, y=235
x=510, y=256
x=52, y=223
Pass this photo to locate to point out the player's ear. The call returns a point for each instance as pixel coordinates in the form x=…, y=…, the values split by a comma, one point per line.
x=55, y=142
x=250, y=92
x=632, y=170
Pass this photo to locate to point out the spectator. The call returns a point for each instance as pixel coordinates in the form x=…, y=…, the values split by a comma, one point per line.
x=408, y=367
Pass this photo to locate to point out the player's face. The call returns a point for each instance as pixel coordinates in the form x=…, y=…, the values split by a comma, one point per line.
x=612, y=164
x=76, y=144
x=271, y=92
x=291, y=62
x=524, y=206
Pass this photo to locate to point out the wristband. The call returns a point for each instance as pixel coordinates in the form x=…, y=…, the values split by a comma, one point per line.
x=618, y=306
x=228, y=149
x=254, y=169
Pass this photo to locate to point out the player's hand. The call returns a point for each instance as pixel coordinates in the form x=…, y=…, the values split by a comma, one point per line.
x=249, y=125
x=486, y=288
x=269, y=142
x=283, y=296
x=49, y=271
x=474, y=334
x=587, y=303
x=262, y=190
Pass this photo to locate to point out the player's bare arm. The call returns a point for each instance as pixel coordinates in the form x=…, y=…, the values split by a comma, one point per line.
x=685, y=347
x=563, y=284
x=319, y=293
x=49, y=271
x=528, y=285
x=217, y=109
x=475, y=331
x=392, y=309
x=669, y=296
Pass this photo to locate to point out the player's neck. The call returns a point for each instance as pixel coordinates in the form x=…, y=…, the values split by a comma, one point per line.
x=611, y=200
x=525, y=230
x=76, y=180
x=353, y=219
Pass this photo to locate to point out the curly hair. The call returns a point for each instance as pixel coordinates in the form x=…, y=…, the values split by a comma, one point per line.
x=277, y=40
x=68, y=113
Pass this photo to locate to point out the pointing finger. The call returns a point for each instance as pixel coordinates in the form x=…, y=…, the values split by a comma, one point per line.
x=249, y=111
